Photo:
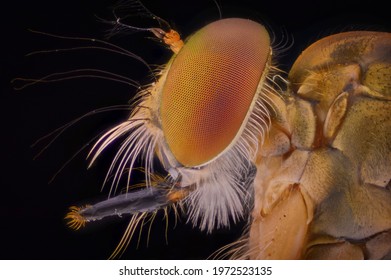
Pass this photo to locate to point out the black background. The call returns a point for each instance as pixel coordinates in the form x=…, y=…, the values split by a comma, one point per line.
x=31, y=210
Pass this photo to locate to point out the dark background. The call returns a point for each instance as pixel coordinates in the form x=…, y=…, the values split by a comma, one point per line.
x=31, y=210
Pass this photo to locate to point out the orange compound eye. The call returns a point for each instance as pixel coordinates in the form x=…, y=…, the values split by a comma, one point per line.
x=210, y=88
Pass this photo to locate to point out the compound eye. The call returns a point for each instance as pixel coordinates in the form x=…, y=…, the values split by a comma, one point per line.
x=210, y=88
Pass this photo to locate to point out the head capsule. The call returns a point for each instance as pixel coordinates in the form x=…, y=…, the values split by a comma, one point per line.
x=204, y=119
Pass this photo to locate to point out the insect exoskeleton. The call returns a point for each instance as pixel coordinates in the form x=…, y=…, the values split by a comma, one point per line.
x=326, y=193
x=204, y=119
